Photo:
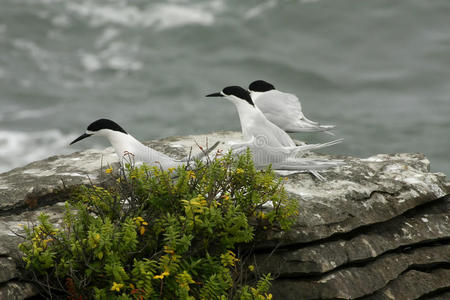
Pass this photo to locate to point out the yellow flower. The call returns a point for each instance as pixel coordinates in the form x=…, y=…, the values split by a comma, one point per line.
x=268, y=296
x=251, y=268
x=171, y=170
x=239, y=171
x=163, y=274
x=108, y=171
x=142, y=230
x=116, y=286
x=168, y=250
x=138, y=221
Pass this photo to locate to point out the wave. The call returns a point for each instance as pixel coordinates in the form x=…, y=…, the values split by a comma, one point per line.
x=18, y=148
x=260, y=9
x=116, y=56
x=13, y=112
x=158, y=15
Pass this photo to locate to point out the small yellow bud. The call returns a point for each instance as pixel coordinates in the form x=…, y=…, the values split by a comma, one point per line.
x=168, y=250
x=142, y=230
x=163, y=274
x=116, y=286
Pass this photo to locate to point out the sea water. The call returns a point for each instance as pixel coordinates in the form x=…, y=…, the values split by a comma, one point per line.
x=379, y=70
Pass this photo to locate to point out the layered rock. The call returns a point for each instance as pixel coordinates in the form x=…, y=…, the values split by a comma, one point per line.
x=378, y=228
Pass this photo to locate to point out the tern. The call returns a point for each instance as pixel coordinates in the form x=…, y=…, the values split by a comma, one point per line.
x=269, y=143
x=283, y=109
x=125, y=144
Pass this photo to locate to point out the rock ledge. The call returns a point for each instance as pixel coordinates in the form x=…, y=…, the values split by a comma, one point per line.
x=378, y=228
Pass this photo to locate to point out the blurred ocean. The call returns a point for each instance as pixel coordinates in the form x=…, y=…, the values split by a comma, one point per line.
x=379, y=70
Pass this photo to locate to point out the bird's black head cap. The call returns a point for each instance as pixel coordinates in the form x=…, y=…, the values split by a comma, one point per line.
x=260, y=86
x=105, y=124
x=238, y=92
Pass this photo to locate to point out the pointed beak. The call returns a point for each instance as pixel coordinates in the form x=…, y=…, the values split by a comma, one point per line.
x=215, y=95
x=81, y=137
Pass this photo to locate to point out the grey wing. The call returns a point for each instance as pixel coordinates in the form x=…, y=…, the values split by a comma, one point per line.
x=293, y=101
x=277, y=103
x=279, y=135
x=280, y=108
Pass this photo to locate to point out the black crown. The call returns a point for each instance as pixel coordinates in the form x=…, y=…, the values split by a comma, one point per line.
x=260, y=86
x=105, y=124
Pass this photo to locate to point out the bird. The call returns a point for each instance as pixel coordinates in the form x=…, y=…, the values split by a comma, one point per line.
x=125, y=144
x=283, y=109
x=269, y=143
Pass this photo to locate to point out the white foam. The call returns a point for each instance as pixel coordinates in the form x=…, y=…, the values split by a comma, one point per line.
x=108, y=35
x=39, y=55
x=32, y=113
x=160, y=15
x=90, y=62
x=19, y=148
x=174, y=15
x=260, y=9
x=117, y=56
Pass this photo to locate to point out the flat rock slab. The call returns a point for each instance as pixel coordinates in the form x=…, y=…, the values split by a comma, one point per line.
x=351, y=227
x=380, y=274
x=414, y=284
x=424, y=224
x=363, y=192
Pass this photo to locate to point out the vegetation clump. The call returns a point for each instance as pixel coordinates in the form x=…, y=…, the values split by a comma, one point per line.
x=153, y=234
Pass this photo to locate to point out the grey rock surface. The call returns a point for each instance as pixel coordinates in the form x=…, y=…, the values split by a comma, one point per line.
x=378, y=228
x=17, y=290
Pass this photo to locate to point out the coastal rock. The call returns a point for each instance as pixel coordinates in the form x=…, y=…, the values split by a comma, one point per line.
x=378, y=228
x=17, y=290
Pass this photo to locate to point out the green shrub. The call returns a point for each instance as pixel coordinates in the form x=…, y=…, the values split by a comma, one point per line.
x=152, y=234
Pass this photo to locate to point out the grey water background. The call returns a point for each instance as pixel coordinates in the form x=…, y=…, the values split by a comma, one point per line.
x=379, y=70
